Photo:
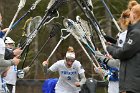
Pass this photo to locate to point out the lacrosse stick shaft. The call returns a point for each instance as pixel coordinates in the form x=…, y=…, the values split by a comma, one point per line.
x=25, y=57
x=14, y=24
x=8, y=31
x=54, y=49
x=20, y=6
x=98, y=65
x=113, y=19
x=84, y=50
x=89, y=39
x=92, y=52
x=31, y=9
x=39, y=52
x=94, y=24
x=62, y=38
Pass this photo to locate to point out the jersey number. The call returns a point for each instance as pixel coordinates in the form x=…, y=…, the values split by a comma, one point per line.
x=69, y=78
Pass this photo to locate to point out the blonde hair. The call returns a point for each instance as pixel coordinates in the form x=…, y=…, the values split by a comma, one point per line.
x=70, y=53
x=124, y=19
x=70, y=49
x=132, y=3
x=136, y=11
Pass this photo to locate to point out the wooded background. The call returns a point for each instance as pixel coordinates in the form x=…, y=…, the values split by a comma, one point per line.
x=70, y=10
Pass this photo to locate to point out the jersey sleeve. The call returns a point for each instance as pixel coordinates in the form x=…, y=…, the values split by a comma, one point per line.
x=54, y=67
x=80, y=68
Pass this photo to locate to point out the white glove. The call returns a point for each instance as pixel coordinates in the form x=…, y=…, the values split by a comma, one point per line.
x=26, y=69
x=98, y=53
x=100, y=56
x=20, y=74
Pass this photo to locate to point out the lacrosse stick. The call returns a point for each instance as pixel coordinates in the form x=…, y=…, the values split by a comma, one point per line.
x=20, y=6
x=90, y=15
x=52, y=34
x=24, y=31
x=29, y=11
x=62, y=37
x=85, y=27
x=94, y=23
x=23, y=35
x=68, y=24
x=113, y=19
x=69, y=29
x=49, y=15
x=33, y=24
x=81, y=35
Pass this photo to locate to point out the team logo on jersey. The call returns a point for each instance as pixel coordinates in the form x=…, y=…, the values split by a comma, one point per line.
x=130, y=41
x=120, y=41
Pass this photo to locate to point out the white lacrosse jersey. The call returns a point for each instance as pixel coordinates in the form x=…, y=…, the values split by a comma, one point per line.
x=121, y=39
x=67, y=76
x=2, y=46
x=12, y=72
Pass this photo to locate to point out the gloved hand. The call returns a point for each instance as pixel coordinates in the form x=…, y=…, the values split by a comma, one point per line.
x=98, y=70
x=26, y=69
x=45, y=63
x=99, y=55
x=20, y=74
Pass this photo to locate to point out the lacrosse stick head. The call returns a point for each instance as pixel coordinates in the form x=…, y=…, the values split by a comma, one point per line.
x=78, y=19
x=85, y=25
x=74, y=29
x=68, y=23
x=33, y=24
x=21, y=4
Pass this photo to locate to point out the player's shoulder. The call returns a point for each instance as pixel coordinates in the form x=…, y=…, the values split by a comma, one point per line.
x=76, y=62
x=60, y=62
